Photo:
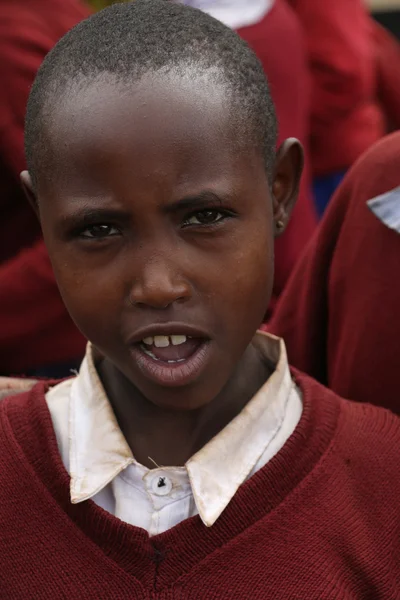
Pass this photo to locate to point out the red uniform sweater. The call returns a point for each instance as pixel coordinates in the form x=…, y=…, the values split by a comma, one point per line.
x=320, y=521
x=28, y=31
x=339, y=314
x=289, y=82
x=387, y=51
x=345, y=118
x=35, y=329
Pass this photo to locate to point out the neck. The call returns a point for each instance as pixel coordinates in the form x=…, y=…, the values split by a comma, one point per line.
x=164, y=437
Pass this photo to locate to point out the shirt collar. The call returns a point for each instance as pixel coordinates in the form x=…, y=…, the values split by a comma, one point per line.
x=233, y=13
x=387, y=208
x=222, y=465
x=98, y=451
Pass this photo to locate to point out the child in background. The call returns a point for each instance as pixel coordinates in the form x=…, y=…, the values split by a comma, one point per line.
x=346, y=118
x=339, y=314
x=387, y=53
x=185, y=460
x=265, y=25
x=36, y=333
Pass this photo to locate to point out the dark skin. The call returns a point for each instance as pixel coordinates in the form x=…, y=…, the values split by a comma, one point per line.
x=152, y=214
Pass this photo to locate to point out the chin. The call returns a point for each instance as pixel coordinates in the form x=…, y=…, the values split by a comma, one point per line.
x=184, y=398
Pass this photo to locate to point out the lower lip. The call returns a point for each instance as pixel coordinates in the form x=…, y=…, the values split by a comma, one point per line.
x=172, y=374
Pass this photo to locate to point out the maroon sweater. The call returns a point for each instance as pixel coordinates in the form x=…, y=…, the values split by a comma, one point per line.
x=35, y=328
x=339, y=314
x=320, y=521
x=345, y=115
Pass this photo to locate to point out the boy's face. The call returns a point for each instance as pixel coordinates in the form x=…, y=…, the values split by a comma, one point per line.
x=160, y=229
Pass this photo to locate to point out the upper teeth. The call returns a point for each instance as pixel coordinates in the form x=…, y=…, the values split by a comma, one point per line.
x=162, y=341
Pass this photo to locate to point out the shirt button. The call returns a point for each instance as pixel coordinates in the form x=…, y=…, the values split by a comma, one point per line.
x=161, y=485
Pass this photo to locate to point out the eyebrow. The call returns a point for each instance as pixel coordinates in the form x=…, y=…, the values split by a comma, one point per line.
x=82, y=216
x=85, y=215
x=204, y=198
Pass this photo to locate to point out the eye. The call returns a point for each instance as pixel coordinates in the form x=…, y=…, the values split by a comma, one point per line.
x=99, y=231
x=205, y=217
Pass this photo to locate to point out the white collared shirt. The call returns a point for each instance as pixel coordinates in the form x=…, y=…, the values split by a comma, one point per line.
x=387, y=208
x=102, y=467
x=233, y=13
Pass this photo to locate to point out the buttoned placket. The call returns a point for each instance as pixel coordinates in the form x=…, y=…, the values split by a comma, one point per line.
x=169, y=492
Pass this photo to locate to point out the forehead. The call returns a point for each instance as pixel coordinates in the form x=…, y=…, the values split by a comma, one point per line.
x=180, y=106
x=181, y=122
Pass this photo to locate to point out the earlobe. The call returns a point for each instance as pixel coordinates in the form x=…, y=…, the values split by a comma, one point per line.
x=285, y=187
x=27, y=186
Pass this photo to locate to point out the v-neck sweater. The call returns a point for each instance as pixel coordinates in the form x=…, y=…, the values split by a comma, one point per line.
x=320, y=520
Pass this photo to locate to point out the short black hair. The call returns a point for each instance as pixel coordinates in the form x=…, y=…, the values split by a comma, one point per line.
x=132, y=39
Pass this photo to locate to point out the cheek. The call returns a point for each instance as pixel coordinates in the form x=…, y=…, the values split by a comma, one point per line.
x=93, y=297
x=254, y=278
x=244, y=281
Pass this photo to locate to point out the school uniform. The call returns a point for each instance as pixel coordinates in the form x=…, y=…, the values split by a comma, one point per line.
x=339, y=313
x=294, y=498
x=28, y=31
x=35, y=328
x=37, y=335
x=387, y=53
x=346, y=118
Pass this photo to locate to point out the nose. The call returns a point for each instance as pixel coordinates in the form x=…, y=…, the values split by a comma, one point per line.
x=159, y=286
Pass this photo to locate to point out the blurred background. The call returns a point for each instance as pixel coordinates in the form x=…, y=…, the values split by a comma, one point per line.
x=383, y=9
x=387, y=12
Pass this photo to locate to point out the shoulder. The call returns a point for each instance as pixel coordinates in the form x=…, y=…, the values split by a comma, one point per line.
x=23, y=412
x=20, y=397
x=29, y=456
x=12, y=386
x=27, y=435
x=367, y=437
x=358, y=473
x=20, y=414
x=364, y=469
x=377, y=170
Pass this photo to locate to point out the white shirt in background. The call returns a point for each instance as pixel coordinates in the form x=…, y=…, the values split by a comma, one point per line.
x=233, y=13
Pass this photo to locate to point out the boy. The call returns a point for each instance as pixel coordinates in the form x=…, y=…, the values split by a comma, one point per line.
x=183, y=461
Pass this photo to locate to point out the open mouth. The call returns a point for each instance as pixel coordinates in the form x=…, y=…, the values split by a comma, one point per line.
x=171, y=349
x=171, y=360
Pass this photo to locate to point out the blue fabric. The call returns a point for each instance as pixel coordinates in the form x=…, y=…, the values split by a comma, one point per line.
x=324, y=188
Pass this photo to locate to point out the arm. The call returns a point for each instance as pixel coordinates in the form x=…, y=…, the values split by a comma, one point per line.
x=387, y=52
x=340, y=56
x=35, y=327
x=23, y=46
x=28, y=31
x=29, y=300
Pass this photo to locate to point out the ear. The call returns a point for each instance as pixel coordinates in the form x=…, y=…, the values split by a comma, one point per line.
x=286, y=180
x=27, y=186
